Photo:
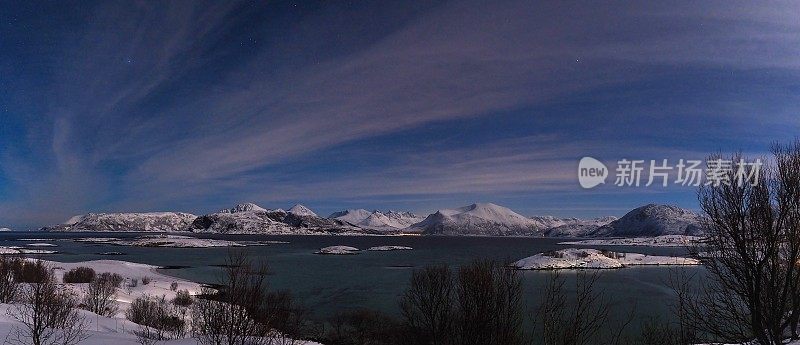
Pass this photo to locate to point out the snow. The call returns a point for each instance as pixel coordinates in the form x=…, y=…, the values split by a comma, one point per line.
x=301, y=210
x=353, y=216
x=246, y=207
x=41, y=245
x=145, y=222
x=653, y=220
x=19, y=250
x=178, y=242
x=5, y=230
x=592, y=258
x=659, y=241
x=389, y=221
x=478, y=219
x=569, y=227
x=116, y=329
x=389, y=248
x=337, y=250
x=171, y=241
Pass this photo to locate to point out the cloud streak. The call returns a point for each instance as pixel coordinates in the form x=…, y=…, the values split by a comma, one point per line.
x=160, y=104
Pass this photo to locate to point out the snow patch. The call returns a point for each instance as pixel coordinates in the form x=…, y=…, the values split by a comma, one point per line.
x=597, y=259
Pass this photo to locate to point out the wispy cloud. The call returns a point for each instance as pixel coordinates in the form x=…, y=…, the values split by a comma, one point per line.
x=166, y=103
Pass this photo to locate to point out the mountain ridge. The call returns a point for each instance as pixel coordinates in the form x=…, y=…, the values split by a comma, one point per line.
x=478, y=219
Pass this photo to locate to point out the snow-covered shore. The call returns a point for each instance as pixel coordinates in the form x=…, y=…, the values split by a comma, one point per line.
x=116, y=329
x=173, y=241
x=658, y=241
x=597, y=259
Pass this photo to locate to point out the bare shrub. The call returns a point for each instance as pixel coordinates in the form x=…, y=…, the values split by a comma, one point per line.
x=286, y=317
x=100, y=297
x=580, y=321
x=33, y=272
x=173, y=286
x=9, y=285
x=46, y=311
x=79, y=275
x=428, y=307
x=234, y=315
x=145, y=280
x=656, y=332
x=364, y=327
x=158, y=320
x=482, y=306
x=113, y=278
x=489, y=297
x=182, y=299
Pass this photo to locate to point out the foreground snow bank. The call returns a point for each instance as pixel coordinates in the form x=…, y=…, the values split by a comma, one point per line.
x=658, y=241
x=116, y=329
x=593, y=258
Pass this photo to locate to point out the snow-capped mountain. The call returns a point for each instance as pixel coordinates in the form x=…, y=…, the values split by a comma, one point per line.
x=301, y=210
x=377, y=220
x=653, y=220
x=569, y=227
x=246, y=207
x=352, y=216
x=478, y=219
x=390, y=220
x=254, y=219
x=145, y=222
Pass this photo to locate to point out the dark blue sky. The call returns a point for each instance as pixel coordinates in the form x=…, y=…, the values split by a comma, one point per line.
x=193, y=106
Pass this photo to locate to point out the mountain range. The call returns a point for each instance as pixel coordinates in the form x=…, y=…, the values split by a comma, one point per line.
x=480, y=219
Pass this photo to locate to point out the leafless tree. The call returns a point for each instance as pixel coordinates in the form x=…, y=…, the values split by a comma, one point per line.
x=47, y=312
x=428, y=305
x=580, y=319
x=158, y=320
x=489, y=304
x=287, y=319
x=753, y=248
x=234, y=315
x=9, y=284
x=481, y=305
x=100, y=297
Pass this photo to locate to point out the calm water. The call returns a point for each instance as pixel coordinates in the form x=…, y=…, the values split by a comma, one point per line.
x=330, y=283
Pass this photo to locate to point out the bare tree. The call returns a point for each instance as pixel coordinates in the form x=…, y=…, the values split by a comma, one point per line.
x=235, y=315
x=100, y=297
x=489, y=304
x=9, y=284
x=47, y=312
x=158, y=320
x=428, y=307
x=579, y=319
x=753, y=247
x=482, y=306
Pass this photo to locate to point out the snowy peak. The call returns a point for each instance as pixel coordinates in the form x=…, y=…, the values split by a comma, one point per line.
x=477, y=219
x=352, y=216
x=246, y=207
x=390, y=220
x=377, y=220
x=654, y=220
x=301, y=210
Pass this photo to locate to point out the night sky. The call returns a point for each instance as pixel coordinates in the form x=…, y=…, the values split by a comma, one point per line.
x=194, y=106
